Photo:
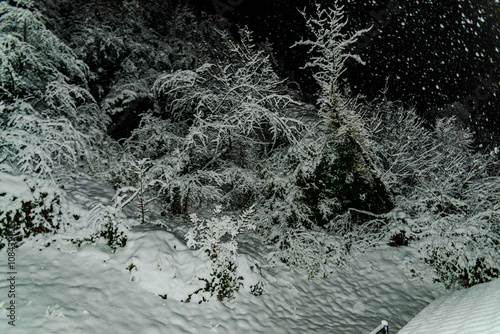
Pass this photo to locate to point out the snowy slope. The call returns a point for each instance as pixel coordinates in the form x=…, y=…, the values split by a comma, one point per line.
x=65, y=289
x=469, y=311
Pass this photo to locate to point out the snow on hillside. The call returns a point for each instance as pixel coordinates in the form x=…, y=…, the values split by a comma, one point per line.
x=66, y=289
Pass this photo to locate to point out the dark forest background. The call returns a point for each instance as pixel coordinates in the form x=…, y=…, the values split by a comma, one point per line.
x=440, y=56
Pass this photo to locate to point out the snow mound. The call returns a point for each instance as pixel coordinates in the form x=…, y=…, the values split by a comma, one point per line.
x=469, y=311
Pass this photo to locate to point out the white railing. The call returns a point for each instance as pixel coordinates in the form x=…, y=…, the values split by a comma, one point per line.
x=383, y=328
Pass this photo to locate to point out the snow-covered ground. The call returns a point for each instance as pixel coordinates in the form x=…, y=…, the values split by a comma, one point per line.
x=66, y=289
x=469, y=311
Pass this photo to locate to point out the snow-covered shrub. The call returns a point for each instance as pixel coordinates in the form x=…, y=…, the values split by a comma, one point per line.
x=105, y=221
x=217, y=238
x=290, y=215
x=31, y=55
x=139, y=190
x=41, y=145
x=49, y=121
x=231, y=106
x=312, y=252
x=101, y=48
x=168, y=177
x=283, y=202
x=402, y=144
x=448, y=192
x=463, y=250
x=327, y=172
x=154, y=138
x=22, y=218
x=458, y=234
x=436, y=162
x=15, y=57
x=74, y=103
x=221, y=119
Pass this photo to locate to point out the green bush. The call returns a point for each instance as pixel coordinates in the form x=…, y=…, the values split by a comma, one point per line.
x=342, y=180
x=37, y=216
x=217, y=237
x=223, y=282
x=454, y=271
x=108, y=230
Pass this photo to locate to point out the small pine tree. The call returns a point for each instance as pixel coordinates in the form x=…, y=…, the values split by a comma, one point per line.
x=347, y=175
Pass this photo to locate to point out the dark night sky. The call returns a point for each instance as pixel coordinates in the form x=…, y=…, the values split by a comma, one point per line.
x=433, y=53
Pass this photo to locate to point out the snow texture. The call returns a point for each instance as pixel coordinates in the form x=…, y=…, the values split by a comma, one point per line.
x=66, y=289
x=469, y=311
